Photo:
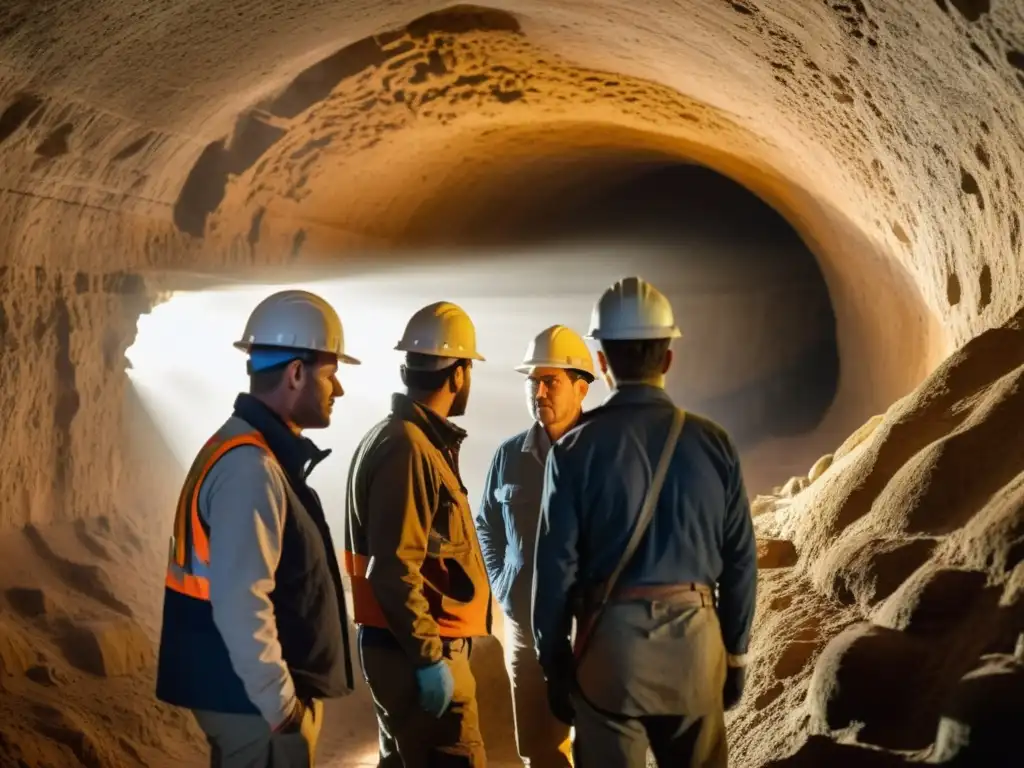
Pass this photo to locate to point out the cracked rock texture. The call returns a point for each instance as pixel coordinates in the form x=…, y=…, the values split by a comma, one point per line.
x=143, y=143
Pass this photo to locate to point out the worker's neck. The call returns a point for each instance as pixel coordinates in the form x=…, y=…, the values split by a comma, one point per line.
x=439, y=402
x=556, y=431
x=652, y=381
x=276, y=404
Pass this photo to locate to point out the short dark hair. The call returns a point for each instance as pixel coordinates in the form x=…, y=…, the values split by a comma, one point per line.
x=267, y=380
x=425, y=380
x=635, y=359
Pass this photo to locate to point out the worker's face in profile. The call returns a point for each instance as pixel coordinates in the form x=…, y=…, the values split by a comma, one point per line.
x=461, y=380
x=552, y=396
x=315, y=387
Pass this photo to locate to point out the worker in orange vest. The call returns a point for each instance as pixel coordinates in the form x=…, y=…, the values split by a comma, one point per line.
x=419, y=587
x=254, y=629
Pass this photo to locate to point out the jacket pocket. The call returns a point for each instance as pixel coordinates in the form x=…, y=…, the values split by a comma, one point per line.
x=510, y=496
x=449, y=551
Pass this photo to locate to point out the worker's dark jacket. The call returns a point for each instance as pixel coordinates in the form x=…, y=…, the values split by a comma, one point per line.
x=596, y=478
x=507, y=519
x=233, y=664
x=411, y=549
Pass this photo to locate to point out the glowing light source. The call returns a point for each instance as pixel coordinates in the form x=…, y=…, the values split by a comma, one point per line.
x=187, y=374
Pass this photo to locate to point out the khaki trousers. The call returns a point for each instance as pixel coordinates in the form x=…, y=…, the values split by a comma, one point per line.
x=409, y=736
x=606, y=741
x=246, y=741
x=541, y=739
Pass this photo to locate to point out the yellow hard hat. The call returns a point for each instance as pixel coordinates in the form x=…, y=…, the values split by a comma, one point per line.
x=557, y=347
x=295, y=319
x=441, y=329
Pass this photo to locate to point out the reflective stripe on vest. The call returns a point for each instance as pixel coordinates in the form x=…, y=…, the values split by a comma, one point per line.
x=365, y=608
x=188, y=565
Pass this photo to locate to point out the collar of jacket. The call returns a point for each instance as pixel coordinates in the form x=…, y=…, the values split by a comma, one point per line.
x=637, y=394
x=296, y=454
x=442, y=433
x=537, y=442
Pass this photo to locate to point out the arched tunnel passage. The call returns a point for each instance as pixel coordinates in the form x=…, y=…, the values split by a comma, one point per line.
x=759, y=351
x=886, y=133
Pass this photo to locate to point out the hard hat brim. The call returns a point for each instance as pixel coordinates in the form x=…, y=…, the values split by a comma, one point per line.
x=400, y=347
x=634, y=334
x=527, y=367
x=246, y=346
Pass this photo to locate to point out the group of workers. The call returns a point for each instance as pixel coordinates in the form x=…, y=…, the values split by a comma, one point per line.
x=617, y=541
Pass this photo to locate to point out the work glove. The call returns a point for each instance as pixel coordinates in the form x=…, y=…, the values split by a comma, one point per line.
x=732, y=691
x=436, y=686
x=560, y=699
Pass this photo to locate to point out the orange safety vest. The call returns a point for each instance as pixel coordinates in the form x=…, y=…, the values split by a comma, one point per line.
x=365, y=608
x=188, y=566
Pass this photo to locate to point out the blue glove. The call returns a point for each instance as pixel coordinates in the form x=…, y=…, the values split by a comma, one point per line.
x=437, y=686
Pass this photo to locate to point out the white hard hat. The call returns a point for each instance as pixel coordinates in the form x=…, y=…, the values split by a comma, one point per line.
x=295, y=319
x=632, y=309
x=441, y=330
x=557, y=347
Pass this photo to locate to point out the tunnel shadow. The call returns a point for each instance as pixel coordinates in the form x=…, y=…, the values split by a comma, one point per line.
x=743, y=284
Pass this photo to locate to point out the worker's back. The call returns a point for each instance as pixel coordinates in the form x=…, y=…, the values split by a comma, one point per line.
x=664, y=656
x=616, y=448
x=634, y=548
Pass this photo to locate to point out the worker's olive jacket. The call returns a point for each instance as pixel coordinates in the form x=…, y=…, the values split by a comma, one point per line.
x=411, y=545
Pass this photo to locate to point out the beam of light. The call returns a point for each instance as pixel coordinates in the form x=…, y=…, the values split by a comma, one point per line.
x=187, y=374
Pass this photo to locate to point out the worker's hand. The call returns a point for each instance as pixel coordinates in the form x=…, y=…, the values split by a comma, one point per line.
x=293, y=720
x=735, y=681
x=297, y=735
x=560, y=699
x=437, y=686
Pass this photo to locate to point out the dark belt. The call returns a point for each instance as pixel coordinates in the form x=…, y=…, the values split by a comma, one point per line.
x=690, y=593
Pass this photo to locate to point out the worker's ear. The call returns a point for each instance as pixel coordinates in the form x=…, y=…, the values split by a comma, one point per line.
x=666, y=362
x=458, y=378
x=295, y=374
x=582, y=387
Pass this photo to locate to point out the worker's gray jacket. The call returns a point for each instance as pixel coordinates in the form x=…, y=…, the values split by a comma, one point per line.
x=596, y=477
x=506, y=522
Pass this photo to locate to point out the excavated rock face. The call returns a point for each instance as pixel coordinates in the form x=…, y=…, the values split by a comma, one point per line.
x=140, y=145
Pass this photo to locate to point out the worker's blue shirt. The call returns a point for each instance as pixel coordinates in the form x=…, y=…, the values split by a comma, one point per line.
x=596, y=477
x=506, y=522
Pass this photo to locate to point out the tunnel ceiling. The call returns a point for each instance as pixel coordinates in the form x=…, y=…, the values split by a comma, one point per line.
x=140, y=145
x=135, y=137
x=146, y=145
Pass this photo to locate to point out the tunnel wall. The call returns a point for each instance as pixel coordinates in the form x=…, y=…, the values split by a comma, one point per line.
x=197, y=138
x=62, y=342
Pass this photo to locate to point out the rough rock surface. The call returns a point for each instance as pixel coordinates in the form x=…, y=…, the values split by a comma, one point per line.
x=911, y=578
x=140, y=144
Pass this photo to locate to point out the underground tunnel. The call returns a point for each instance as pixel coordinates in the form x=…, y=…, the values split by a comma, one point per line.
x=829, y=193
